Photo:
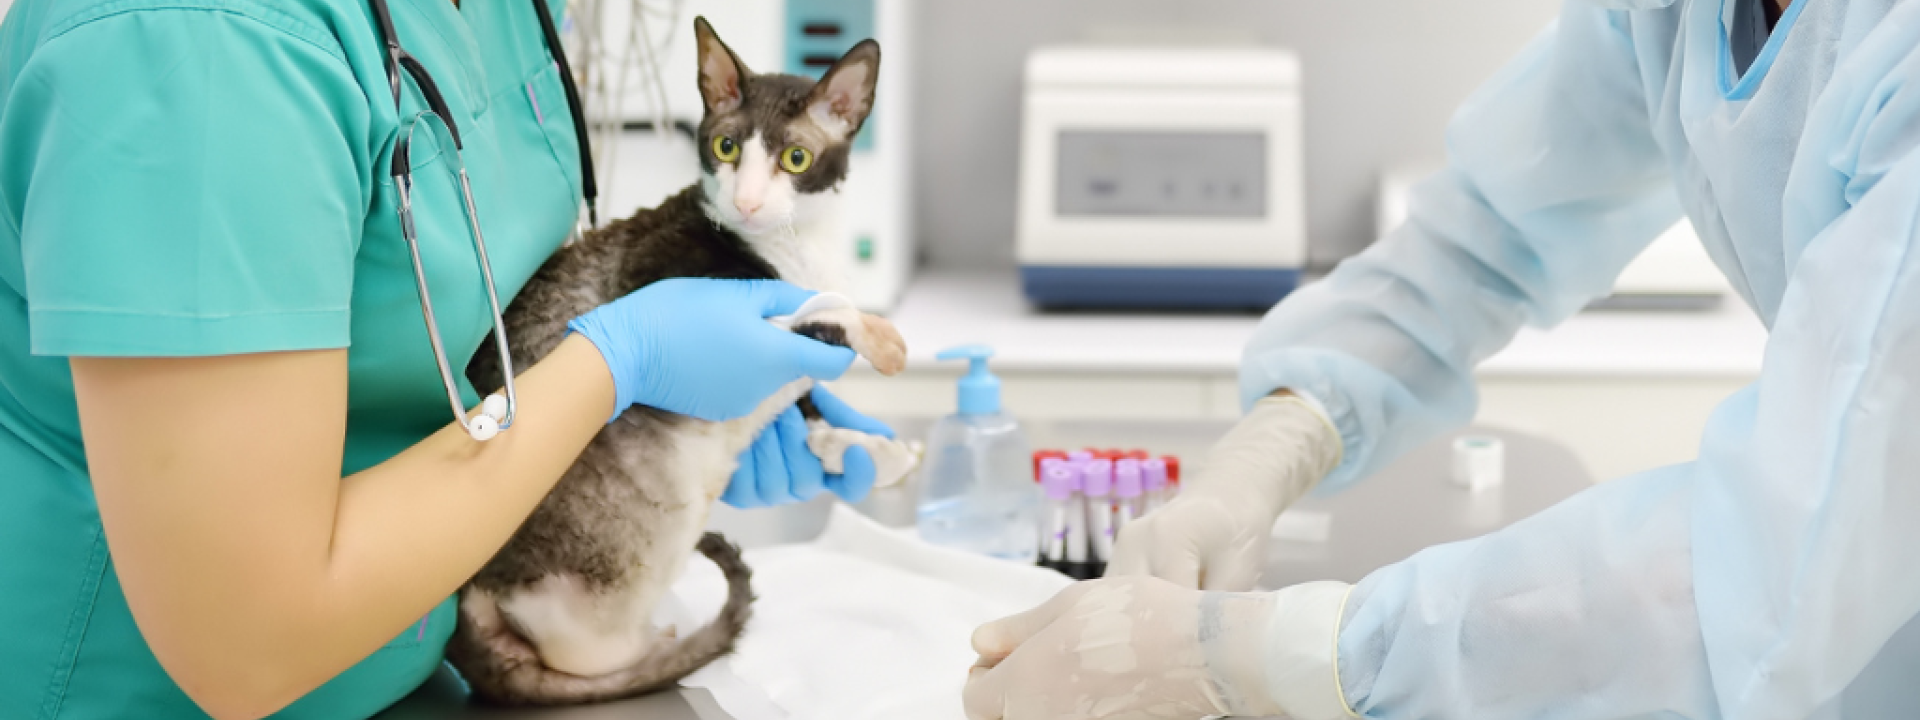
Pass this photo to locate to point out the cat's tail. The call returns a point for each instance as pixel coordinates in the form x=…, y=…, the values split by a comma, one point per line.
x=519, y=678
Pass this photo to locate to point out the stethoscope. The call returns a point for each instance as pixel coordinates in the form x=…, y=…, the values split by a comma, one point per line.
x=497, y=411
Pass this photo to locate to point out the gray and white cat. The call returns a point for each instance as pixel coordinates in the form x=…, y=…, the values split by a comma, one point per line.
x=563, y=613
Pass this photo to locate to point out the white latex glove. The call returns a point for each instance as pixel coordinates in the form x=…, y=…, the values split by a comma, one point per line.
x=1214, y=535
x=1141, y=647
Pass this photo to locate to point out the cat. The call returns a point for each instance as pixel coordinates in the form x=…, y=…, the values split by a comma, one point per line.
x=562, y=614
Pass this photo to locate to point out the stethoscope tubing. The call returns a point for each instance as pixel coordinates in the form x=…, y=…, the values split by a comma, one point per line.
x=426, y=305
x=493, y=300
x=494, y=417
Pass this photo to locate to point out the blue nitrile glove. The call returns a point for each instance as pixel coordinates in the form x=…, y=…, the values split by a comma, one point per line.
x=703, y=347
x=781, y=469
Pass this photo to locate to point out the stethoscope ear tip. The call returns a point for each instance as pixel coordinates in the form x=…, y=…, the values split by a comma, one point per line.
x=495, y=406
x=493, y=412
x=483, y=427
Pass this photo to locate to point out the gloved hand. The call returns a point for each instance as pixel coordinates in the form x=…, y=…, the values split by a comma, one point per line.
x=703, y=347
x=1144, y=648
x=1214, y=534
x=780, y=468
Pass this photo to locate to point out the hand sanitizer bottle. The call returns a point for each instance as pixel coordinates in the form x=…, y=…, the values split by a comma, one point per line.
x=976, y=494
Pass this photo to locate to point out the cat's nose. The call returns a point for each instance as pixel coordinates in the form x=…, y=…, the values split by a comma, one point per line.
x=746, y=207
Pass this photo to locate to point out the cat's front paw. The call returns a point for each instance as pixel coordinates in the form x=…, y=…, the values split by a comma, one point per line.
x=882, y=345
x=872, y=336
x=893, y=460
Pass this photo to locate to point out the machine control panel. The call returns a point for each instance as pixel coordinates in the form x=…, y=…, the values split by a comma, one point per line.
x=1161, y=174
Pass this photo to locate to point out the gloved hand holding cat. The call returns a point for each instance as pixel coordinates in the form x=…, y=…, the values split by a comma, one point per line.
x=781, y=467
x=706, y=356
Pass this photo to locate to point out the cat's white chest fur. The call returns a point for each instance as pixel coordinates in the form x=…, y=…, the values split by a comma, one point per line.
x=808, y=253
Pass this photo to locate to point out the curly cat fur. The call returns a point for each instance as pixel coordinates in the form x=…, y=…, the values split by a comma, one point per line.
x=600, y=550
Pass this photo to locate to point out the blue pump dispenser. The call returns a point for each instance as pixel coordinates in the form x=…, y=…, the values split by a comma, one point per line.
x=979, y=389
x=976, y=489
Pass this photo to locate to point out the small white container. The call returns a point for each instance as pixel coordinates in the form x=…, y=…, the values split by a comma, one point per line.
x=1479, y=462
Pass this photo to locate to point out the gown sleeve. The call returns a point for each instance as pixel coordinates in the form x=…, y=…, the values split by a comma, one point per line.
x=1554, y=184
x=1757, y=582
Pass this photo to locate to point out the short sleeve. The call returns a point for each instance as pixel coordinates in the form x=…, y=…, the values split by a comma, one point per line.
x=190, y=182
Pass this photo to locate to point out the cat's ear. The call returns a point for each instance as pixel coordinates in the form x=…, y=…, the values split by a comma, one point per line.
x=843, y=97
x=722, y=75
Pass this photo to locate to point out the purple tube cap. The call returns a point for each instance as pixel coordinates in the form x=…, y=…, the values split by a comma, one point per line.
x=1059, y=482
x=1047, y=464
x=1126, y=479
x=1154, y=472
x=1080, y=456
x=1099, y=478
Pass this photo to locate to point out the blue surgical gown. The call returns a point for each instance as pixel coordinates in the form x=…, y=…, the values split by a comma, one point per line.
x=1773, y=577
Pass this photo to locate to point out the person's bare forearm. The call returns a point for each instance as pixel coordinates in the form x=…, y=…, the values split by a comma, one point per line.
x=453, y=501
x=254, y=570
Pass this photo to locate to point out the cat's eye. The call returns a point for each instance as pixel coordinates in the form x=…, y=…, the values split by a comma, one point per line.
x=796, y=159
x=725, y=148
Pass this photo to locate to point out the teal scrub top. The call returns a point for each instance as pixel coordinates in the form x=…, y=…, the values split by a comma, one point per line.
x=209, y=177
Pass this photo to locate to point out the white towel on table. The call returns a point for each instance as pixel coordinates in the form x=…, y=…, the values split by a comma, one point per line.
x=864, y=623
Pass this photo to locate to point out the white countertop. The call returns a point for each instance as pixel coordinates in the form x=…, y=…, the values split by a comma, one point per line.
x=946, y=308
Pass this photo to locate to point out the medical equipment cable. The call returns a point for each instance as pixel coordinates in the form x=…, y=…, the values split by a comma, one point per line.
x=603, y=75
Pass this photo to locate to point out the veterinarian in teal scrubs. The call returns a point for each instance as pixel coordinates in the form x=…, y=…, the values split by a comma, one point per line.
x=229, y=483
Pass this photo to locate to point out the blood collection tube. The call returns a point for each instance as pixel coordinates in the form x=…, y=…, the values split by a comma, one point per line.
x=1050, y=466
x=1153, y=476
x=1076, y=516
x=1173, y=476
x=1128, y=505
x=1136, y=454
x=1057, y=484
x=1098, y=479
x=1080, y=456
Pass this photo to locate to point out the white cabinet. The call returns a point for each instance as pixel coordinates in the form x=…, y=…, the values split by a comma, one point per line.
x=1627, y=391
